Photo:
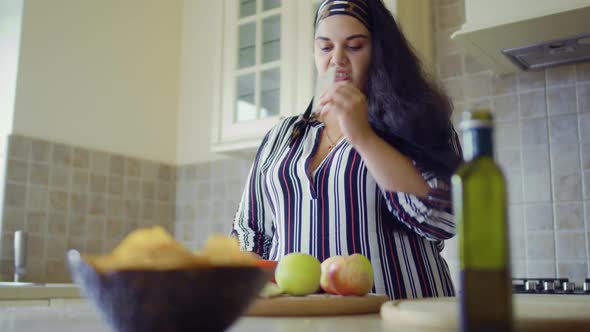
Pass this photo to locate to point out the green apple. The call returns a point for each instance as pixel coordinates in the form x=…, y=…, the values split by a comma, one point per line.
x=298, y=274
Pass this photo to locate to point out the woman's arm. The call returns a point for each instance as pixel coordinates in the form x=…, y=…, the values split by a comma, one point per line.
x=392, y=170
x=250, y=227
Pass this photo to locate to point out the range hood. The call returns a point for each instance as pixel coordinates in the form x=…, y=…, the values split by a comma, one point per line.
x=514, y=35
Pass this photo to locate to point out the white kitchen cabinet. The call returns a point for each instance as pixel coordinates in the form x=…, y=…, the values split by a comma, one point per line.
x=267, y=67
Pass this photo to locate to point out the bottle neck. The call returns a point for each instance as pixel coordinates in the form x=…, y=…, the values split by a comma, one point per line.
x=477, y=143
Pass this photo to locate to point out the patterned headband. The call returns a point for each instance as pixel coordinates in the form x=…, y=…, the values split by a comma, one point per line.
x=355, y=8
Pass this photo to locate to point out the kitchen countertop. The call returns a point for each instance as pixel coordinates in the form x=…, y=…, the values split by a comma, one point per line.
x=82, y=317
x=39, y=291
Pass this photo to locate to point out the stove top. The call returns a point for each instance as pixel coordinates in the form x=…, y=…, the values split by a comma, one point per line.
x=555, y=286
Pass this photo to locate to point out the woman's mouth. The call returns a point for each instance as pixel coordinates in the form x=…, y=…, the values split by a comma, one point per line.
x=342, y=76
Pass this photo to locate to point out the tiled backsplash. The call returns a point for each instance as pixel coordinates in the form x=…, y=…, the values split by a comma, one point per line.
x=68, y=197
x=207, y=198
x=542, y=143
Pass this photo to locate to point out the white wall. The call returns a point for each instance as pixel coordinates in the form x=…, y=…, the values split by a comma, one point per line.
x=101, y=74
x=202, y=41
x=10, y=29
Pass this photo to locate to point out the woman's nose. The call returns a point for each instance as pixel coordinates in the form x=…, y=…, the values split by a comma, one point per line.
x=339, y=57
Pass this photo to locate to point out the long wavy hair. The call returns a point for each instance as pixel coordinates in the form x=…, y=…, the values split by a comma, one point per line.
x=405, y=107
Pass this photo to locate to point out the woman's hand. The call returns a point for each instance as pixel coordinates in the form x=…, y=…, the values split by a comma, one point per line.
x=349, y=105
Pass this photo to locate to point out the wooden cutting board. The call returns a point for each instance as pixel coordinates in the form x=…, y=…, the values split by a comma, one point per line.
x=531, y=313
x=317, y=305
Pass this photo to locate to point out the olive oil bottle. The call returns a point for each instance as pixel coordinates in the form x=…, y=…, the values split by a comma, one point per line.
x=479, y=203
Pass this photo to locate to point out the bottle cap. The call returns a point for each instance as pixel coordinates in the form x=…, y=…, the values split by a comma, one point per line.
x=477, y=118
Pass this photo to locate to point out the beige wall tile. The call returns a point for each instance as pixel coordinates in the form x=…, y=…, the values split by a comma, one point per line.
x=59, y=178
x=37, y=198
x=132, y=208
x=114, y=228
x=80, y=181
x=40, y=150
x=132, y=167
x=117, y=165
x=583, y=97
x=562, y=75
x=16, y=171
x=534, y=132
x=58, y=200
x=532, y=104
x=567, y=187
x=505, y=108
x=13, y=219
x=584, y=122
x=165, y=173
x=36, y=222
x=61, y=155
x=565, y=158
x=531, y=80
x=535, y=160
x=585, y=148
x=583, y=72
x=94, y=246
x=149, y=170
x=77, y=225
x=96, y=205
x=517, y=246
x=569, y=216
x=574, y=270
x=164, y=191
x=450, y=66
x=478, y=85
x=57, y=224
x=454, y=88
x=36, y=246
x=76, y=243
x=81, y=158
x=561, y=100
x=563, y=129
x=507, y=134
x=95, y=227
x=99, y=163
x=147, y=210
x=537, y=188
x=148, y=190
x=116, y=185
x=57, y=271
x=504, y=84
x=56, y=247
x=39, y=174
x=7, y=239
x=539, y=217
x=515, y=191
x=132, y=188
x=15, y=195
x=541, y=268
x=98, y=183
x=19, y=147
x=116, y=207
x=571, y=246
x=518, y=267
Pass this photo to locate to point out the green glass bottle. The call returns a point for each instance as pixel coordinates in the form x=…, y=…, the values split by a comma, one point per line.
x=479, y=203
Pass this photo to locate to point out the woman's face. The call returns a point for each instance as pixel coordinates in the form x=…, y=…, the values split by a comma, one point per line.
x=345, y=43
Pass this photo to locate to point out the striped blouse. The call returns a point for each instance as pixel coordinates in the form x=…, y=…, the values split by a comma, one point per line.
x=339, y=209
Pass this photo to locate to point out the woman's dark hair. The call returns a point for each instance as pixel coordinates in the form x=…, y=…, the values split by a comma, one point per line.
x=405, y=108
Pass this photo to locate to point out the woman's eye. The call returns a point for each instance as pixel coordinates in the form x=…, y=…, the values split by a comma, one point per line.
x=354, y=48
x=325, y=49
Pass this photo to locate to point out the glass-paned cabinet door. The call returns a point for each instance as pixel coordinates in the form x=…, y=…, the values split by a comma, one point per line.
x=258, y=66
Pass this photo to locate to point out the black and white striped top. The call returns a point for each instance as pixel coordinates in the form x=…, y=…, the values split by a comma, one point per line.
x=341, y=210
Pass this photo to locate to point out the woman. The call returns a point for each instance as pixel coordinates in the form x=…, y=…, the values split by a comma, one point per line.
x=370, y=173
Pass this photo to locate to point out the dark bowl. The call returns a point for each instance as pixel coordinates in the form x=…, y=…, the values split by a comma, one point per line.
x=196, y=299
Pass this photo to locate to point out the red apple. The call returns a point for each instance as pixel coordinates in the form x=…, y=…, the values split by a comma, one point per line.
x=347, y=275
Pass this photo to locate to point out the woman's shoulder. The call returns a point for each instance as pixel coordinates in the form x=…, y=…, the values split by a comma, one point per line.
x=283, y=128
